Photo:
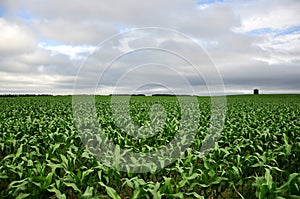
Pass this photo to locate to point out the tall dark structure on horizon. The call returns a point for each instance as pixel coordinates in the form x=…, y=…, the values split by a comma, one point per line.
x=255, y=91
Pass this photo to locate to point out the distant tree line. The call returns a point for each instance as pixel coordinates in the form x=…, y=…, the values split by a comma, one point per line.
x=23, y=95
x=127, y=95
x=162, y=94
x=157, y=94
x=34, y=95
x=170, y=95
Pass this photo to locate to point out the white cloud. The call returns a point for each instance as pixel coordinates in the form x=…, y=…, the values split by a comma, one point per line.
x=242, y=38
x=276, y=19
x=74, y=52
x=273, y=14
x=15, y=38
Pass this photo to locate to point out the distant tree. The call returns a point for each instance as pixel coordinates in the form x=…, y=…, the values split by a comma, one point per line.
x=138, y=95
x=162, y=94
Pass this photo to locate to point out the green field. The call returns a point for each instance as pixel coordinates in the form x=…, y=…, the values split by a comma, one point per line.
x=257, y=154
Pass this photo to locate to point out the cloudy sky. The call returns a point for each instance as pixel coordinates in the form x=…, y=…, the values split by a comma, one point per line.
x=46, y=45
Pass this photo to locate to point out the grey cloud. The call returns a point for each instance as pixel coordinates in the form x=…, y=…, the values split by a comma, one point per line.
x=71, y=32
x=211, y=23
x=94, y=21
x=243, y=60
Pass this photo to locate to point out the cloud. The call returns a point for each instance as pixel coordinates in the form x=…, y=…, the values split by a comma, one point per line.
x=75, y=32
x=15, y=38
x=270, y=14
x=74, y=52
x=252, y=43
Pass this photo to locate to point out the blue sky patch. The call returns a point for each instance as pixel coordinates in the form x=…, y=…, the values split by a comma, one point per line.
x=2, y=11
x=275, y=33
x=292, y=30
x=24, y=14
x=49, y=42
x=260, y=31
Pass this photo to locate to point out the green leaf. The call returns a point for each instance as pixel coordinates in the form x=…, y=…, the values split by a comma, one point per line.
x=23, y=195
x=48, y=180
x=294, y=197
x=29, y=163
x=19, y=183
x=154, y=190
x=19, y=151
x=206, y=164
x=177, y=195
x=204, y=185
x=110, y=191
x=219, y=180
x=117, y=156
x=128, y=182
x=136, y=193
x=193, y=176
x=88, y=192
x=73, y=185
x=257, y=165
x=86, y=173
x=263, y=191
x=269, y=179
x=236, y=170
x=3, y=176
x=196, y=195
x=86, y=155
x=56, y=146
x=167, y=186
x=57, y=193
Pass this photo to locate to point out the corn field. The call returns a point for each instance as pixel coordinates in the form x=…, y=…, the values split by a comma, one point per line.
x=257, y=154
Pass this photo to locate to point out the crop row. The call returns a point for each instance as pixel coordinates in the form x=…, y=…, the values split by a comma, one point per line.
x=257, y=154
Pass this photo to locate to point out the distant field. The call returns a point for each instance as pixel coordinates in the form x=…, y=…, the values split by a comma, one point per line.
x=257, y=154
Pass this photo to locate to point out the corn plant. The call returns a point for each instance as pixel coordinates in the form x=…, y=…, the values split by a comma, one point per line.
x=257, y=155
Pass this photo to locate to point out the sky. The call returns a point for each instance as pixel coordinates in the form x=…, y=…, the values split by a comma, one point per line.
x=57, y=46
